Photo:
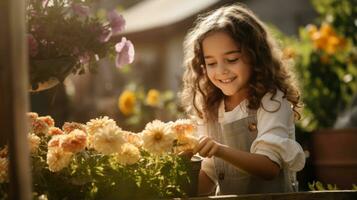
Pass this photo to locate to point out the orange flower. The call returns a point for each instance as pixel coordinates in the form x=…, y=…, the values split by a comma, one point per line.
x=326, y=38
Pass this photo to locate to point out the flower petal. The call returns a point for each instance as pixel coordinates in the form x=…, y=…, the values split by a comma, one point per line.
x=116, y=21
x=125, y=53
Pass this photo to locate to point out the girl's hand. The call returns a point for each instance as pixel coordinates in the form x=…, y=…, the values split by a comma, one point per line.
x=207, y=147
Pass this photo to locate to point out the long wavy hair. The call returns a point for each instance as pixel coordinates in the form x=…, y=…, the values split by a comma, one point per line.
x=271, y=71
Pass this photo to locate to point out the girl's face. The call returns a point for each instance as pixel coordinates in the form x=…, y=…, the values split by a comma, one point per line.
x=224, y=65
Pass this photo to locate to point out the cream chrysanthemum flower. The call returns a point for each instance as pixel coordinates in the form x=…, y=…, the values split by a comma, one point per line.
x=185, y=132
x=95, y=124
x=71, y=126
x=108, y=139
x=57, y=159
x=4, y=152
x=34, y=142
x=128, y=155
x=133, y=138
x=74, y=142
x=39, y=127
x=48, y=120
x=31, y=117
x=55, y=131
x=4, y=170
x=157, y=137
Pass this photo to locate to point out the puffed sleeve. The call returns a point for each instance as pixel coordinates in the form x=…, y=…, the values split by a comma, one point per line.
x=276, y=133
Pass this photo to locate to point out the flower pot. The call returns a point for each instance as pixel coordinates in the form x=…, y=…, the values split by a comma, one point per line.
x=193, y=173
x=46, y=73
x=334, y=154
x=45, y=85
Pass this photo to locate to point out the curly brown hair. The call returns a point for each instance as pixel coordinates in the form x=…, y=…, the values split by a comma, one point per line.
x=271, y=71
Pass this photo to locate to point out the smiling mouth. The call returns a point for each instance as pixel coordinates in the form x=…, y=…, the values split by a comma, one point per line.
x=228, y=80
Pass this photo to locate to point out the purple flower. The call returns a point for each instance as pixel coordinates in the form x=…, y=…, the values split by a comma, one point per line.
x=33, y=45
x=125, y=50
x=80, y=10
x=116, y=21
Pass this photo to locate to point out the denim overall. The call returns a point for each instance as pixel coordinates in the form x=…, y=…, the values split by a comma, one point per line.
x=232, y=180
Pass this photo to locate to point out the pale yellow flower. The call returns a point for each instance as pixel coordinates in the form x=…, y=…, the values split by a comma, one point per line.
x=74, y=142
x=57, y=159
x=127, y=102
x=95, y=124
x=186, y=134
x=133, y=138
x=157, y=137
x=34, y=142
x=108, y=139
x=128, y=155
x=4, y=170
x=153, y=97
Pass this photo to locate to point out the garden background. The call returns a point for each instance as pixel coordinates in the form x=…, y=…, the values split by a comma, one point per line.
x=320, y=36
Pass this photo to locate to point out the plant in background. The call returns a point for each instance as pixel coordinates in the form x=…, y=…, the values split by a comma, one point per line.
x=326, y=59
x=318, y=186
x=140, y=106
x=99, y=160
x=70, y=37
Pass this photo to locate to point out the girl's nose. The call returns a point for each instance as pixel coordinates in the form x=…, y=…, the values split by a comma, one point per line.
x=222, y=69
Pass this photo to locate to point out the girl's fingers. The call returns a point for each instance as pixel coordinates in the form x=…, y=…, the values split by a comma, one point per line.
x=205, y=149
x=213, y=151
x=202, y=141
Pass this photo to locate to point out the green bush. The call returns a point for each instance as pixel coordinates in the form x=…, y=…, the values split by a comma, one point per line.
x=325, y=57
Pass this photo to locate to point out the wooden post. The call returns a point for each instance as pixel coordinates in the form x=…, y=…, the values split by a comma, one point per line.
x=14, y=95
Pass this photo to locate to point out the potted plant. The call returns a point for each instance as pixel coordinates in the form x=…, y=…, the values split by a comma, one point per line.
x=100, y=160
x=70, y=37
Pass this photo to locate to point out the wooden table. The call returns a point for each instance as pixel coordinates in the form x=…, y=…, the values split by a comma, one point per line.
x=313, y=195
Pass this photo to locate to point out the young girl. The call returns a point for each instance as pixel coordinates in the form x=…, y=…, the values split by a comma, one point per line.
x=239, y=85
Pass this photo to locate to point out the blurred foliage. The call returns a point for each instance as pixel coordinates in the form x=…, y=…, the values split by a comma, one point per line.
x=318, y=186
x=325, y=56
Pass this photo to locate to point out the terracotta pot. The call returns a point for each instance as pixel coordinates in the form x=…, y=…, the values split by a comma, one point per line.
x=334, y=156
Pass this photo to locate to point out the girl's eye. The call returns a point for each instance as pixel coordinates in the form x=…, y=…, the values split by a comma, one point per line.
x=232, y=60
x=210, y=64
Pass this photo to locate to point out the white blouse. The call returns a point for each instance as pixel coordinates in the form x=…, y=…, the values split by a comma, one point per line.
x=276, y=133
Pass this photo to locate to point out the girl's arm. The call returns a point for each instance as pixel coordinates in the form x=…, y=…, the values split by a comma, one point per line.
x=255, y=164
x=206, y=186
